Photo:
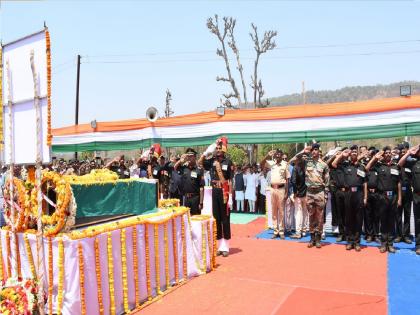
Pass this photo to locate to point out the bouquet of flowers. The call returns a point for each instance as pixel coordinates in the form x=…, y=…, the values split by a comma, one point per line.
x=18, y=297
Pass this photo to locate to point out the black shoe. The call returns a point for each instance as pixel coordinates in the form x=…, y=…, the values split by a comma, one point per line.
x=218, y=253
x=296, y=236
x=418, y=251
x=397, y=239
x=382, y=249
x=369, y=239
x=377, y=240
x=407, y=240
x=339, y=238
x=357, y=248
x=275, y=235
x=349, y=246
x=225, y=254
x=392, y=249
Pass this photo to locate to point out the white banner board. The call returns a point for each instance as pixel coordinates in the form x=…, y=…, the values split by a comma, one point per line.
x=17, y=70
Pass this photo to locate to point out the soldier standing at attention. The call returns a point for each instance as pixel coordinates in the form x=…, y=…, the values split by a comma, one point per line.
x=317, y=180
x=355, y=194
x=389, y=195
x=411, y=162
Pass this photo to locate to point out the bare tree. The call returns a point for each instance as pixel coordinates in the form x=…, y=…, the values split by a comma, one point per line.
x=232, y=45
x=213, y=26
x=168, y=109
x=266, y=44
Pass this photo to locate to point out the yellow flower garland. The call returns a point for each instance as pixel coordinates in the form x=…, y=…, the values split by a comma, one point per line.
x=175, y=250
x=111, y=274
x=168, y=203
x=203, y=248
x=157, y=265
x=98, y=277
x=214, y=243
x=210, y=245
x=167, y=276
x=21, y=217
x=124, y=269
x=19, y=266
x=147, y=252
x=60, y=275
x=48, y=53
x=1, y=244
x=50, y=276
x=53, y=224
x=136, y=267
x=30, y=256
x=9, y=255
x=82, y=279
x=184, y=250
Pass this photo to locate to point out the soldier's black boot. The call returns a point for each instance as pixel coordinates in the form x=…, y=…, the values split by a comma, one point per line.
x=318, y=240
x=383, y=247
x=391, y=247
x=312, y=241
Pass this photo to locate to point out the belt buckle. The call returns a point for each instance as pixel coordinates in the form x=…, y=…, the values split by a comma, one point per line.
x=389, y=193
x=353, y=189
x=404, y=188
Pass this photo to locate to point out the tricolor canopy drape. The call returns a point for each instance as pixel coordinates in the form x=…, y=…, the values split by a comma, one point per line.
x=379, y=118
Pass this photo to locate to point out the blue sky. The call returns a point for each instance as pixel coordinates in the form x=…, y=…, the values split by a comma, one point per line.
x=149, y=46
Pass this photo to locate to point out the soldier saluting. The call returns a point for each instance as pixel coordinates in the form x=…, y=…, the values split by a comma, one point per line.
x=389, y=195
x=317, y=180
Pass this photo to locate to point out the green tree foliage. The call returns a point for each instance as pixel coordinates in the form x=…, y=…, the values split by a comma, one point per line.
x=238, y=155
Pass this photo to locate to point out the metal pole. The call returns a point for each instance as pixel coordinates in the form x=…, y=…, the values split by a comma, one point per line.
x=77, y=95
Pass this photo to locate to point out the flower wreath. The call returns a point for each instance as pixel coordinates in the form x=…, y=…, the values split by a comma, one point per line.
x=168, y=203
x=64, y=215
x=20, y=219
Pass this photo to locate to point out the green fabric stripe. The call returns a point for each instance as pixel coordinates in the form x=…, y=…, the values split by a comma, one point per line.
x=374, y=132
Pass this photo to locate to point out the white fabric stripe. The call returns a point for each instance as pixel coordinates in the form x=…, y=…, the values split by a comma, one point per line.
x=261, y=126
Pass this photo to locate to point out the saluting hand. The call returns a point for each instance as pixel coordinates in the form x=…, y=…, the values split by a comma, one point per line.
x=346, y=153
x=414, y=149
x=379, y=155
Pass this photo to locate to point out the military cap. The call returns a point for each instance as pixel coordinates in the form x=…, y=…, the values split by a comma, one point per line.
x=354, y=147
x=191, y=151
x=315, y=146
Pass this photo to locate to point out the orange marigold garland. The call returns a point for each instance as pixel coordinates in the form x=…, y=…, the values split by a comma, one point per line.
x=82, y=279
x=50, y=276
x=175, y=249
x=60, y=276
x=157, y=265
x=124, y=269
x=48, y=52
x=19, y=267
x=136, y=267
x=147, y=252
x=184, y=250
x=203, y=248
x=30, y=256
x=210, y=245
x=167, y=276
x=18, y=222
x=9, y=255
x=214, y=243
x=98, y=277
x=111, y=275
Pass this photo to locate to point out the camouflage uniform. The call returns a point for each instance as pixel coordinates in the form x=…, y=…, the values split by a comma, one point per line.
x=317, y=180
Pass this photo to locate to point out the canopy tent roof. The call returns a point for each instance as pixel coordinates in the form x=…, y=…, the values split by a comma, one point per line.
x=379, y=118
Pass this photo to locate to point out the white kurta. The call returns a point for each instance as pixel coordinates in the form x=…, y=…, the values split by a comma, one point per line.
x=251, y=182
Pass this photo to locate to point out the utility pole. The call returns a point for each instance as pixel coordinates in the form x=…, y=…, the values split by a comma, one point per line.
x=168, y=110
x=76, y=122
x=303, y=93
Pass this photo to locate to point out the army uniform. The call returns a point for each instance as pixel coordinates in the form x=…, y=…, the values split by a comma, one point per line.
x=339, y=200
x=354, y=180
x=192, y=180
x=389, y=176
x=317, y=182
x=371, y=213
x=402, y=230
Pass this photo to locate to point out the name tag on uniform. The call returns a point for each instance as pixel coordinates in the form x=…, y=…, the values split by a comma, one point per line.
x=224, y=167
x=194, y=174
x=155, y=172
x=361, y=173
x=354, y=189
x=407, y=170
x=404, y=188
x=389, y=193
x=395, y=172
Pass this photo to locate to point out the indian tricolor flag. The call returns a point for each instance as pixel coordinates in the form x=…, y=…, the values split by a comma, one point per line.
x=379, y=118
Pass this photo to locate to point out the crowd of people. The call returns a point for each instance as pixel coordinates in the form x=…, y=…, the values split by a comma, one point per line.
x=371, y=191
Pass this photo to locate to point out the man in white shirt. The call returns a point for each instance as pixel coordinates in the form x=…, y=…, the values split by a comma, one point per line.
x=263, y=182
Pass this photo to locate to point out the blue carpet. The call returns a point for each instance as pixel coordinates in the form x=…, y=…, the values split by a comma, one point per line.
x=330, y=239
x=404, y=283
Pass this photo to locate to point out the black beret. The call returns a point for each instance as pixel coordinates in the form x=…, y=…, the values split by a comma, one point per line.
x=400, y=147
x=405, y=144
x=372, y=149
x=354, y=147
